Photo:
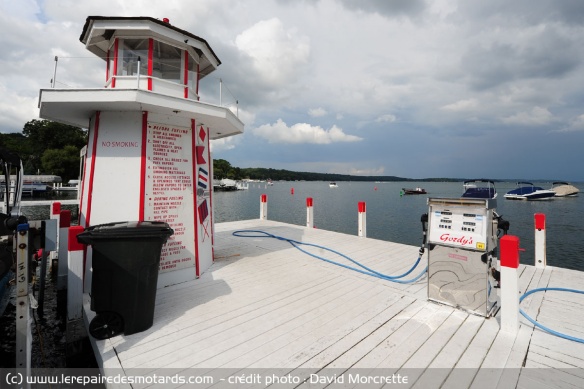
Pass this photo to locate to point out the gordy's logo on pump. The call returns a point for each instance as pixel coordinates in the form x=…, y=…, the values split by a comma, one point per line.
x=460, y=240
x=463, y=241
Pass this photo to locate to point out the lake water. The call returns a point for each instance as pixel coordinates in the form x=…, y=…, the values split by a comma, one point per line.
x=396, y=218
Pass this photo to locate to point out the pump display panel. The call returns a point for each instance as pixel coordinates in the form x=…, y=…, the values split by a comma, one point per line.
x=459, y=226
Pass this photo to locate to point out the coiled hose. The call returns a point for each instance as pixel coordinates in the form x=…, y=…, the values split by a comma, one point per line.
x=373, y=273
x=366, y=270
x=541, y=326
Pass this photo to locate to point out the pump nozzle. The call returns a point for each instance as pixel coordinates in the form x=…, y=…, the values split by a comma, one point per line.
x=502, y=224
x=8, y=224
x=424, y=220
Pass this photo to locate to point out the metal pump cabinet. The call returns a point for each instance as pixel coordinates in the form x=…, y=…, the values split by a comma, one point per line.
x=462, y=241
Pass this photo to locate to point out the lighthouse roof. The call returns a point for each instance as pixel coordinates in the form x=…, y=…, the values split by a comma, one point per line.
x=98, y=31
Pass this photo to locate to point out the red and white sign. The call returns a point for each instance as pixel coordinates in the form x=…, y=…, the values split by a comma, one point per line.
x=169, y=191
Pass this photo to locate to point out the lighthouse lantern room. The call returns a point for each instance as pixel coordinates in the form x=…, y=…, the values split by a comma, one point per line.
x=148, y=155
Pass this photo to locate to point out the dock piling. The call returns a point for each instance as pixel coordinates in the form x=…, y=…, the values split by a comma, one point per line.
x=309, y=213
x=362, y=219
x=509, y=250
x=540, y=240
x=264, y=207
x=63, y=250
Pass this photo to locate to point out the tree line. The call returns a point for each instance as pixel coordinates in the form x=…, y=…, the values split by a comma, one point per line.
x=47, y=147
x=223, y=169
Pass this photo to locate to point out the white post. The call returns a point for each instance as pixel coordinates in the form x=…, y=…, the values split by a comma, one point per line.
x=309, y=213
x=56, y=215
x=509, y=256
x=362, y=219
x=63, y=251
x=540, y=247
x=75, y=275
x=264, y=207
x=138, y=73
x=54, y=80
x=23, y=313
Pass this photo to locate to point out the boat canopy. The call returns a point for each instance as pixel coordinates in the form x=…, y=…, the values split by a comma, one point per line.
x=44, y=178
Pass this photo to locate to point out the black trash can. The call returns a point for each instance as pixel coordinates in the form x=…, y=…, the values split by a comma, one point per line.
x=125, y=262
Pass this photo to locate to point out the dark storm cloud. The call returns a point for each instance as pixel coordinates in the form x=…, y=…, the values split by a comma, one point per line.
x=536, y=57
x=524, y=12
x=389, y=8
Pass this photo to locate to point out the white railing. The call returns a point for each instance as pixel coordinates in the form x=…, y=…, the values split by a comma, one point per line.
x=76, y=66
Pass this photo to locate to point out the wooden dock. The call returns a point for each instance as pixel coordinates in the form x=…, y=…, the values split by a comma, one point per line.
x=266, y=305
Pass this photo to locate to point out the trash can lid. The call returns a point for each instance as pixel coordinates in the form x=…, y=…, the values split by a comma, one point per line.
x=125, y=230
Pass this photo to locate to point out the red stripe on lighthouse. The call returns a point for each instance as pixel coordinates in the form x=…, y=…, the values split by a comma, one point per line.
x=115, y=72
x=143, y=166
x=92, y=169
x=150, y=64
x=186, y=74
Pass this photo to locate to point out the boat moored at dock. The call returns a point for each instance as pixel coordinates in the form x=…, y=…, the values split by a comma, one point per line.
x=564, y=189
x=528, y=191
x=483, y=189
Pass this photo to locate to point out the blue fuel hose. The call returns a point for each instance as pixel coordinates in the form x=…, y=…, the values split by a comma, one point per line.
x=539, y=325
x=366, y=271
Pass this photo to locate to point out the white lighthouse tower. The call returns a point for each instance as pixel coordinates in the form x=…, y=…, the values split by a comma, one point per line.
x=148, y=154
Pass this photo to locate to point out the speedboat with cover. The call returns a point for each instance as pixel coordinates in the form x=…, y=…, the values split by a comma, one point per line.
x=417, y=190
x=479, y=189
x=564, y=189
x=528, y=191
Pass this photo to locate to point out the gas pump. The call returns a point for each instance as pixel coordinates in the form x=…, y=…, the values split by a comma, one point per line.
x=462, y=253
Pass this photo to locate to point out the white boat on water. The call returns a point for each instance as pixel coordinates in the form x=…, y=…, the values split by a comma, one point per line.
x=564, y=189
x=72, y=186
x=528, y=191
x=333, y=185
x=482, y=189
x=30, y=188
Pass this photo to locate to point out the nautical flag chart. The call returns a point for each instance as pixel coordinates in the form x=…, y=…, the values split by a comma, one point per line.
x=204, y=190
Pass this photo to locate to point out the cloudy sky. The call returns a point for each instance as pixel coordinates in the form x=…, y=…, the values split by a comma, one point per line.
x=410, y=88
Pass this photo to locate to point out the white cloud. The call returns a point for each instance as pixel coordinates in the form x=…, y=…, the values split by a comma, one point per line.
x=461, y=105
x=379, y=171
x=536, y=117
x=388, y=118
x=277, y=53
x=279, y=132
x=576, y=125
x=25, y=9
x=317, y=112
x=224, y=144
x=453, y=64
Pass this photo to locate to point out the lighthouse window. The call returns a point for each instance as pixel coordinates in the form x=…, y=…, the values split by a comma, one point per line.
x=167, y=62
x=132, y=52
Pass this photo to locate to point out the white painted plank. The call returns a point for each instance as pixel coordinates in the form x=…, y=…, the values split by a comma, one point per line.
x=441, y=367
x=266, y=304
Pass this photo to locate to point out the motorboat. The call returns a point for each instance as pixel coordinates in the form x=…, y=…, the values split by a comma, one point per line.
x=564, y=189
x=481, y=189
x=528, y=191
x=333, y=185
x=414, y=191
